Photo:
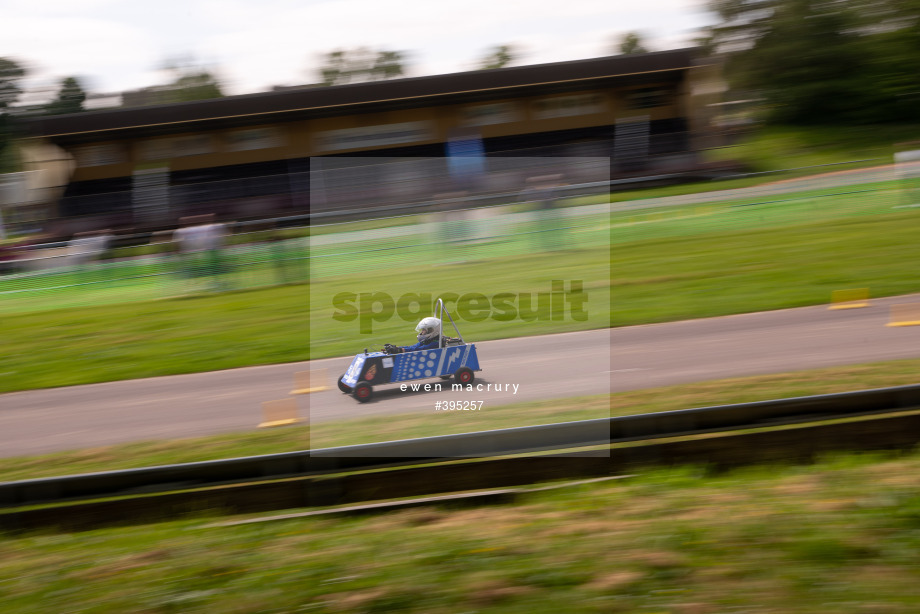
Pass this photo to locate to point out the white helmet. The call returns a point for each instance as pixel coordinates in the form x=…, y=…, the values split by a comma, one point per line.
x=428, y=329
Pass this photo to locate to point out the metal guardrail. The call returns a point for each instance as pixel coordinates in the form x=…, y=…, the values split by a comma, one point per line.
x=563, y=436
x=503, y=198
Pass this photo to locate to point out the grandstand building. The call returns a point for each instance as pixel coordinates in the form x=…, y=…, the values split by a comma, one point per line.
x=249, y=157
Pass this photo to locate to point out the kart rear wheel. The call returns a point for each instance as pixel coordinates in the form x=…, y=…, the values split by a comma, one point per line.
x=363, y=392
x=343, y=386
x=464, y=375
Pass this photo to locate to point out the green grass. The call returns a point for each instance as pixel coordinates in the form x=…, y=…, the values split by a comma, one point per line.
x=761, y=211
x=193, y=334
x=840, y=536
x=778, y=147
x=733, y=272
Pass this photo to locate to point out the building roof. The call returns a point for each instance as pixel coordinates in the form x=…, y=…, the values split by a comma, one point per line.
x=290, y=104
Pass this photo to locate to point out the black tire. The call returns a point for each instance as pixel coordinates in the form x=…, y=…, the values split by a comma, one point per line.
x=464, y=375
x=343, y=386
x=363, y=392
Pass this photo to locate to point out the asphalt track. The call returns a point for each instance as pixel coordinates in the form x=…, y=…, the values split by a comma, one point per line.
x=545, y=367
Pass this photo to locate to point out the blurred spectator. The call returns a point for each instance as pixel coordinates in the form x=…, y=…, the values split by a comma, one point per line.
x=87, y=247
x=543, y=191
x=285, y=266
x=450, y=225
x=199, y=242
x=450, y=217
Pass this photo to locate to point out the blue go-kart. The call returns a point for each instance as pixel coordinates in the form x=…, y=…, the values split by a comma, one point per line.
x=452, y=358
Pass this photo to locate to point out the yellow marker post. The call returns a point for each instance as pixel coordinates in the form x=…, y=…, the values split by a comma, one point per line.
x=279, y=413
x=306, y=382
x=849, y=299
x=907, y=314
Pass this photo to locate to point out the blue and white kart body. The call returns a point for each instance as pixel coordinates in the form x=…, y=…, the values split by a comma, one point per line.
x=453, y=358
x=374, y=368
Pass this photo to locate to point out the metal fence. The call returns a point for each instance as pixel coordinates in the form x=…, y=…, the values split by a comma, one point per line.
x=340, y=185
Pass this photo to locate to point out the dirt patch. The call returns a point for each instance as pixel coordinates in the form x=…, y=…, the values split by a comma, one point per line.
x=356, y=601
x=612, y=582
x=492, y=592
x=655, y=559
x=124, y=564
x=833, y=505
x=799, y=485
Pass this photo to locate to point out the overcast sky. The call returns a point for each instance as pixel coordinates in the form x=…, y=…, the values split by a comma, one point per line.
x=252, y=45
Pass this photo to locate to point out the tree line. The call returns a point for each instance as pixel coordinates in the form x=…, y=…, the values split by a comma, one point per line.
x=822, y=61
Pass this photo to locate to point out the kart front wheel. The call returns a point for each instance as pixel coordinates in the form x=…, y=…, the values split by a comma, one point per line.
x=363, y=392
x=343, y=386
x=464, y=375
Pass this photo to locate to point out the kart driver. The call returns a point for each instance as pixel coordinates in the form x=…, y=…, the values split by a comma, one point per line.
x=429, y=337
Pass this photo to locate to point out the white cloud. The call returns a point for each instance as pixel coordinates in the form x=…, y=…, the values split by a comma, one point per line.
x=52, y=48
x=255, y=45
x=54, y=7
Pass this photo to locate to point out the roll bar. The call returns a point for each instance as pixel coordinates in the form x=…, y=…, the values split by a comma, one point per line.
x=439, y=311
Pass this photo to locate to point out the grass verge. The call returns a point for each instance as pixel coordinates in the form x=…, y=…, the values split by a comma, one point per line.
x=839, y=536
x=783, y=147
